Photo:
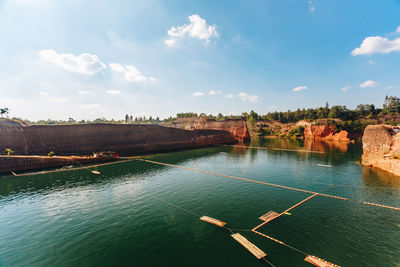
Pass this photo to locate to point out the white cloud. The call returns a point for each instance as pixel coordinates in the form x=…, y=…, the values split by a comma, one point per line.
x=370, y=61
x=213, y=92
x=84, y=63
x=196, y=94
x=198, y=28
x=83, y=92
x=245, y=97
x=398, y=29
x=43, y=93
x=377, y=44
x=229, y=96
x=369, y=83
x=59, y=99
x=344, y=89
x=299, y=88
x=390, y=87
x=170, y=42
x=90, y=106
x=130, y=73
x=311, y=7
x=113, y=92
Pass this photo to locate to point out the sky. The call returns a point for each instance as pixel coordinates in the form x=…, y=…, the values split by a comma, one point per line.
x=92, y=59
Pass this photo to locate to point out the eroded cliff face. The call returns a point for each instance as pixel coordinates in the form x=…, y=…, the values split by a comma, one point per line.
x=381, y=148
x=238, y=128
x=325, y=133
x=84, y=139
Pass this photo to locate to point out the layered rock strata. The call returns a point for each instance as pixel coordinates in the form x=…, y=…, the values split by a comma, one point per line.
x=238, y=128
x=381, y=148
x=84, y=139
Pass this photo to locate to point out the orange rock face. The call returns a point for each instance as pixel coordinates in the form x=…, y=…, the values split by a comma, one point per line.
x=321, y=133
x=381, y=146
x=238, y=128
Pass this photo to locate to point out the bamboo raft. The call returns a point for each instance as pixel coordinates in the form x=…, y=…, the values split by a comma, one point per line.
x=324, y=165
x=258, y=253
x=213, y=221
x=268, y=216
x=319, y=262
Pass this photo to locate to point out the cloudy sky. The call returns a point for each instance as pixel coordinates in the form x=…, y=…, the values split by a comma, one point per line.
x=89, y=59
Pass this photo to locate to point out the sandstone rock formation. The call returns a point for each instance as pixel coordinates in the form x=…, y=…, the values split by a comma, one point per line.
x=381, y=146
x=84, y=139
x=236, y=127
x=325, y=133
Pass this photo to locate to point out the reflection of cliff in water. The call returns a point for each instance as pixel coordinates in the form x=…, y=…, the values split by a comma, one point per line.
x=10, y=185
x=326, y=146
x=334, y=153
x=377, y=177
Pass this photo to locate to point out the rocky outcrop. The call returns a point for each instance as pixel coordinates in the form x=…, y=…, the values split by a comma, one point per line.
x=325, y=133
x=124, y=139
x=381, y=148
x=238, y=128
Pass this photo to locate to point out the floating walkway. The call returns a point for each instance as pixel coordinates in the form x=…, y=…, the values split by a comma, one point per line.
x=319, y=262
x=268, y=216
x=258, y=253
x=273, y=215
x=269, y=184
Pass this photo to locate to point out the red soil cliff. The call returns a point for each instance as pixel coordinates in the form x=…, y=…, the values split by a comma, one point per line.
x=321, y=133
x=238, y=128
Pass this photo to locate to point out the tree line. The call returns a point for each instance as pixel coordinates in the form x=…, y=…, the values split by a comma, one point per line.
x=391, y=106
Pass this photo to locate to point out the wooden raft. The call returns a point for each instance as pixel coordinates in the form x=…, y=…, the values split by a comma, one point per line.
x=319, y=262
x=268, y=216
x=213, y=221
x=324, y=165
x=249, y=246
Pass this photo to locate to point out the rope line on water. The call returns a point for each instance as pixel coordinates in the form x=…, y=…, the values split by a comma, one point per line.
x=283, y=212
x=277, y=149
x=268, y=262
x=241, y=179
x=72, y=169
x=266, y=183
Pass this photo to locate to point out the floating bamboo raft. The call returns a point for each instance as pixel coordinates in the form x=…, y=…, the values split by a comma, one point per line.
x=268, y=216
x=324, y=165
x=319, y=262
x=258, y=253
x=213, y=221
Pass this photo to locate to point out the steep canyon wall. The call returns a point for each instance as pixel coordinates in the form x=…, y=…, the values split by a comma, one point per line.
x=238, y=128
x=381, y=148
x=84, y=139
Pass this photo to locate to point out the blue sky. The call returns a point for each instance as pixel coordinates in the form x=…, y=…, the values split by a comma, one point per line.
x=89, y=59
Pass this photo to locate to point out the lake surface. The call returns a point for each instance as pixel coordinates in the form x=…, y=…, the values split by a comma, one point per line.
x=141, y=214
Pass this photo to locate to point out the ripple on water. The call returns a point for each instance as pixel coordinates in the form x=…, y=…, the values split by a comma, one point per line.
x=146, y=214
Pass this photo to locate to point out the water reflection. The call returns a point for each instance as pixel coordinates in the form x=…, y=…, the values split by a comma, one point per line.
x=377, y=177
x=10, y=185
x=326, y=146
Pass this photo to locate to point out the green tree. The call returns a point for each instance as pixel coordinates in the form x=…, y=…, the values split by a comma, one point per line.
x=391, y=105
x=3, y=111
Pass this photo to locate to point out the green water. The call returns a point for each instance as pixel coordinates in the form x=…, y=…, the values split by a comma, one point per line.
x=121, y=217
